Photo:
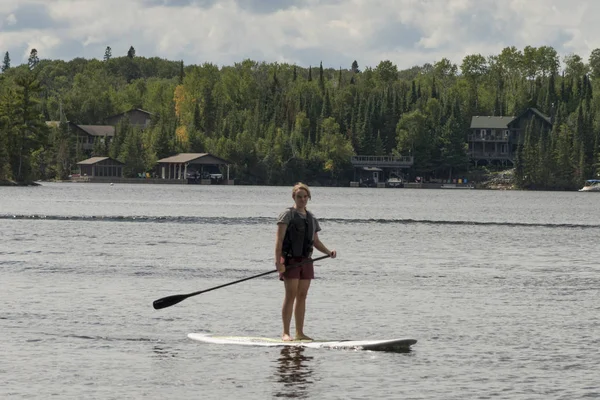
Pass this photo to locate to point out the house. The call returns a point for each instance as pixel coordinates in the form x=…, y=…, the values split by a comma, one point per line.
x=494, y=140
x=137, y=117
x=194, y=167
x=87, y=135
x=101, y=167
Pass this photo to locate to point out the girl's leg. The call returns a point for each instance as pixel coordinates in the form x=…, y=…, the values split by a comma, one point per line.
x=291, y=291
x=300, y=308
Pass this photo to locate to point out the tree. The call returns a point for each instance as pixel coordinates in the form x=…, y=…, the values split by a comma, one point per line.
x=6, y=62
x=594, y=63
x=387, y=72
x=63, y=148
x=453, y=147
x=181, y=73
x=131, y=52
x=574, y=66
x=29, y=128
x=107, y=53
x=33, y=60
x=336, y=150
x=354, y=67
x=321, y=78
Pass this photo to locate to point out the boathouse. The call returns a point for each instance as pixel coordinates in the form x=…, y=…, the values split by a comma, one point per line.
x=379, y=171
x=203, y=168
x=101, y=167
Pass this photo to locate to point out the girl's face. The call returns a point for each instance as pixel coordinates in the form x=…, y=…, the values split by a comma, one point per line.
x=301, y=198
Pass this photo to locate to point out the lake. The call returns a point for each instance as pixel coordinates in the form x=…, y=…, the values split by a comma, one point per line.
x=501, y=289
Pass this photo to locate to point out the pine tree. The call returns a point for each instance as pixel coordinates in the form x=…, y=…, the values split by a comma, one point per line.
x=6, y=62
x=33, y=60
x=107, y=53
x=321, y=78
x=310, y=73
x=354, y=67
x=413, y=94
x=326, y=110
x=294, y=74
x=181, y=73
x=131, y=52
x=4, y=154
x=197, y=121
x=378, y=148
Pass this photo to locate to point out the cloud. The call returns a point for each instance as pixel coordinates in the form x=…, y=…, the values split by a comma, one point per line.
x=28, y=16
x=305, y=32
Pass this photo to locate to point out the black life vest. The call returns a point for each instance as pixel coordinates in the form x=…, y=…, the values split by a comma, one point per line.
x=298, y=240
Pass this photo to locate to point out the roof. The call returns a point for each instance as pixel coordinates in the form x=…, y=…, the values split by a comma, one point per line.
x=182, y=158
x=95, y=160
x=537, y=112
x=486, y=122
x=128, y=111
x=98, y=130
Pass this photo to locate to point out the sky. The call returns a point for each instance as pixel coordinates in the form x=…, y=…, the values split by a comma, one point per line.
x=302, y=32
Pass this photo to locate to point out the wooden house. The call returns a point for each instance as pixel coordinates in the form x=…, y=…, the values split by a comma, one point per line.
x=494, y=140
x=137, y=118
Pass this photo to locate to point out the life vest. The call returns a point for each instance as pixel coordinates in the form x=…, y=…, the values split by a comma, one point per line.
x=298, y=240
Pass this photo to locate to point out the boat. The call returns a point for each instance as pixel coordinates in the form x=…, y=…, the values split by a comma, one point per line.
x=394, y=182
x=591, y=185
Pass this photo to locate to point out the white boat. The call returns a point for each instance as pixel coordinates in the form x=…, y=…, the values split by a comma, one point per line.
x=394, y=182
x=591, y=185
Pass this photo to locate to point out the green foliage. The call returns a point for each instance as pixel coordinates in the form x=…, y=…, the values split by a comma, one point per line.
x=6, y=62
x=276, y=124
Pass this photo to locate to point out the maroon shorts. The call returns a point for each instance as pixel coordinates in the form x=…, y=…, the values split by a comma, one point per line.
x=304, y=271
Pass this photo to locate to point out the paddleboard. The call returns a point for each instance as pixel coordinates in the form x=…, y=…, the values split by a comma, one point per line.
x=375, y=345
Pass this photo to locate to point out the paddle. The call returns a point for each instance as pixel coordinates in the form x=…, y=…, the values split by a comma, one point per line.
x=172, y=300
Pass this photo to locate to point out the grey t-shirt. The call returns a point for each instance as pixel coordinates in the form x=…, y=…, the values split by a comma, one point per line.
x=286, y=216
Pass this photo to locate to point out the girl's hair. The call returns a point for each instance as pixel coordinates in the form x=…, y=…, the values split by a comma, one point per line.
x=300, y=186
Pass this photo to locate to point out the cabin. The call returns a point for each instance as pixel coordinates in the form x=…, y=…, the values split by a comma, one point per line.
x=137, y=118
x=87, y=135
x=101, y=167
x=494, y=140
x=202, y=168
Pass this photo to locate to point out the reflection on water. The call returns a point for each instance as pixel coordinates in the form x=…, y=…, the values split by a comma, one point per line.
x=294, y=373
x=164, y=352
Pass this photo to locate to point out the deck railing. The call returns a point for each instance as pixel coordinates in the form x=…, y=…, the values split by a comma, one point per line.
x=383, y=161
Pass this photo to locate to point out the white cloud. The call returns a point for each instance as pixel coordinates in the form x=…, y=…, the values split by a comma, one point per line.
x=306, y=32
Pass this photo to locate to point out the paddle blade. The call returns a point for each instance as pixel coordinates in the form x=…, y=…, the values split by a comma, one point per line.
x=169, y=301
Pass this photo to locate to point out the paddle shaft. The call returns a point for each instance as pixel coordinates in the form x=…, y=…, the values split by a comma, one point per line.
x=172, y=300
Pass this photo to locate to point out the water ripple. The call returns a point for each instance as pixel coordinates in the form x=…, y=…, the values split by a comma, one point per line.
x=270, y=220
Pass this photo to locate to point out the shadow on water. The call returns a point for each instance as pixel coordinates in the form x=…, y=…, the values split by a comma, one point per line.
x=294, y=373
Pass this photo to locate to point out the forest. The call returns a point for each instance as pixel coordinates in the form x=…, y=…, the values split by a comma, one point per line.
x=280, y=123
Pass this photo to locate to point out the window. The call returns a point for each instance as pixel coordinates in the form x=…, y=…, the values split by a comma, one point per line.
x=504, y=149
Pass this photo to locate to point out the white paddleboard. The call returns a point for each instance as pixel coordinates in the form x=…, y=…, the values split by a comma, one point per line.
x=380, y=345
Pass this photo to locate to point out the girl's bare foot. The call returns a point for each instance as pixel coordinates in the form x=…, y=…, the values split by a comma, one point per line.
x=286, y=338
x=302, y=336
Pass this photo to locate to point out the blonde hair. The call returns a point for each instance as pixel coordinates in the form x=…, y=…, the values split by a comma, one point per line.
x=300, y=186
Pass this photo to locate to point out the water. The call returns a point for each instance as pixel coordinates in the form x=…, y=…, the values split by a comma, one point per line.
x=500, y=289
